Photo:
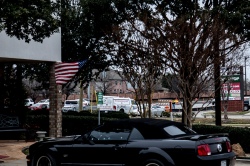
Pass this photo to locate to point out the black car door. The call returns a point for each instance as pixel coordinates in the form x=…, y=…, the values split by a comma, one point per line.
x=104, y=146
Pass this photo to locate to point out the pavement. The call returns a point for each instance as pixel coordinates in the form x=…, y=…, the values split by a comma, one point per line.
x=20, y=162
x=11, y=150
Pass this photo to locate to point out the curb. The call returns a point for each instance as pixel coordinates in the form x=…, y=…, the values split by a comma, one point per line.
x=243, y=160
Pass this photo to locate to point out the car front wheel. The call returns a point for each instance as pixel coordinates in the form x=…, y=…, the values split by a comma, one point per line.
x=246, y=108
x=45, y=160
x=153, y=162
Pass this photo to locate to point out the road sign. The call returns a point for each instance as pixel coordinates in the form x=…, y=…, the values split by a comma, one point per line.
x=99, y=98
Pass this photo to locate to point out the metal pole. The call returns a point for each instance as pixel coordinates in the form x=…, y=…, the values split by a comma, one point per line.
x=99, y=116
x=245, y=76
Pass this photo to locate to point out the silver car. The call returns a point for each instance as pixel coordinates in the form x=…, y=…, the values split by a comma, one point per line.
x=157, y=110
x=70, y=105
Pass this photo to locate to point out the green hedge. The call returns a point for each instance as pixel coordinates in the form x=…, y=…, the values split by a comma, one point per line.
x=236, y=134
x=72, y=122
x=78, y=123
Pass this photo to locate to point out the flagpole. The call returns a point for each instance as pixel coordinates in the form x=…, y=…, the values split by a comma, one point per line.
x=81, y=96
x=91, y=96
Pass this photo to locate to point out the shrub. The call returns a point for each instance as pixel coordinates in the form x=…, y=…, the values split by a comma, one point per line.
x=166, y=114
x=114, y=114
x=236, y=134
x=73, y=123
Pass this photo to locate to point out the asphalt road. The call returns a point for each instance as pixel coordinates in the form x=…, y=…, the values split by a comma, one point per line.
x=22, y=162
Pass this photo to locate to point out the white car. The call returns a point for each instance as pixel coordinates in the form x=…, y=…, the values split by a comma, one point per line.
x=134, y=111
x=157, y=110
x=85, y=102
x=70, y=105
x=28, y=102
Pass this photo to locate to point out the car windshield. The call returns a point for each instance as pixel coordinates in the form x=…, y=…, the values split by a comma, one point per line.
x=71, y=102
x=43, y=101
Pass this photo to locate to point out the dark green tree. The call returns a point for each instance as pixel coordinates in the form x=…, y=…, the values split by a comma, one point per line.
x=29, y=20
x=85, y=25
x=25, y=20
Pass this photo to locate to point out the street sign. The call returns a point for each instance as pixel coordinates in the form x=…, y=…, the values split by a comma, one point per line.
x=99, y=98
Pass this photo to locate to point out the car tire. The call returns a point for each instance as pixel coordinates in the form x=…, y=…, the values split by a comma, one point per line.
x=153, y=162
x=45, y=160
x=122, y=110
x=246, y=107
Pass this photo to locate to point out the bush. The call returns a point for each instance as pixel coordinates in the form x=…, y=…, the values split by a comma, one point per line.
x=38, y=112
x=236, y=134
x=114, y=114
x=166, y=114
x=73, y=123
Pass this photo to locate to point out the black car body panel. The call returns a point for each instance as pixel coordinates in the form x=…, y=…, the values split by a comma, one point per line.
x=134, y=142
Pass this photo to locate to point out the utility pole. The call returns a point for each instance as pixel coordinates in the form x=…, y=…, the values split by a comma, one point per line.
x=245, y=76
x=1, y=86
x=81, y=97
x=217, y=63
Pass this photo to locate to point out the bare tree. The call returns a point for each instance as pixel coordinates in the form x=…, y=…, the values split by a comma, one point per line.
x=139, y=61
x=156, y=41
x=190, y=53
x=32, y=88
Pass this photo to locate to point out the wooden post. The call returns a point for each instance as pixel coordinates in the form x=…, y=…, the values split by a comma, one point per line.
x=55, y=114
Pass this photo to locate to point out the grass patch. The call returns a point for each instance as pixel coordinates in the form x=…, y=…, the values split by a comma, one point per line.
x=223, y=121
x=211, y=121
x=229, y=113
x=25, y=150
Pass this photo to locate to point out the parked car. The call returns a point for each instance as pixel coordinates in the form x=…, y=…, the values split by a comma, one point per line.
x=85, y=102
x=28, y=102
x=136, y=141
x=39, y=106
x=43, y=101
x=70, y=105
x=134, y=111
x=73, y=105
x=157, y=110
x=246, y=103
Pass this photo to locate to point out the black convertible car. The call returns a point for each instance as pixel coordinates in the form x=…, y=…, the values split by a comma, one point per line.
x=132, y=142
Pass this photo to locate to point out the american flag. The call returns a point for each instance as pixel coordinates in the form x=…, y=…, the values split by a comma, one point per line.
x=64, y=72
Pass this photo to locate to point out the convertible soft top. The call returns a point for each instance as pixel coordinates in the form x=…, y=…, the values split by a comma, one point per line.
x=144, y=121
x=149, y=128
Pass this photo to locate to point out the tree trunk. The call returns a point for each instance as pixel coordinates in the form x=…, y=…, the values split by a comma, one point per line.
x=1, y=86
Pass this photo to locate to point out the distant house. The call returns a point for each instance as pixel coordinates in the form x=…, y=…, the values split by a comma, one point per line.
x=110, y=82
